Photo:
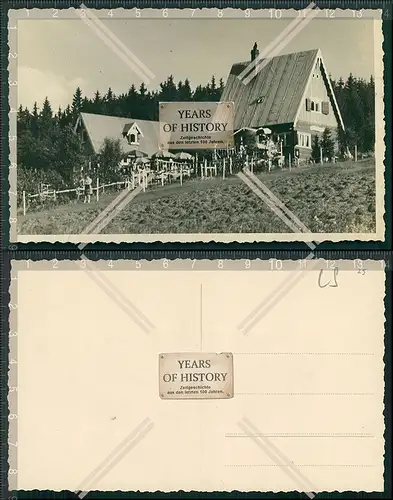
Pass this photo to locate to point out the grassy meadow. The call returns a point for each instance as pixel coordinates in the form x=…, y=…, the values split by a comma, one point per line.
x=337, y=198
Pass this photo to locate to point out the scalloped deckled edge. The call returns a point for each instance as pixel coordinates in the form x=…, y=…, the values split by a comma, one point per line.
x=379, y=235
x=16, y=265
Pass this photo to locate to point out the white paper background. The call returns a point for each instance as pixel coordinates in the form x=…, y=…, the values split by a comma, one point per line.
x=88, y=375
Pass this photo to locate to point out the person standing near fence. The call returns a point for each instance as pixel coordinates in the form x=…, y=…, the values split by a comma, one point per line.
x=88, y=189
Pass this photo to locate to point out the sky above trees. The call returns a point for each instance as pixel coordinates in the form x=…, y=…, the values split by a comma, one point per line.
x=56, y=56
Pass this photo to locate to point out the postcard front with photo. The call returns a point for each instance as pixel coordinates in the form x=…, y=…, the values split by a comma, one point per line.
x=196, y=126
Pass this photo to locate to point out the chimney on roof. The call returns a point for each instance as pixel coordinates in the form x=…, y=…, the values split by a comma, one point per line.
x=254, y=52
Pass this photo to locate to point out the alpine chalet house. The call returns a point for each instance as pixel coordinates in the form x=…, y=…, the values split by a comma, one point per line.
x=291, y=95
x=140, y=135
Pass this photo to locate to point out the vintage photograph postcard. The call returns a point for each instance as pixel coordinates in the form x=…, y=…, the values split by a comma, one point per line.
x=196, y=125
x=240, y=376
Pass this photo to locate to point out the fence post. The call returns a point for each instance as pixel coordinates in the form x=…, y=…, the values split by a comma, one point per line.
x=162, y=178
x=98, y=189
x=202, y=171
x=133, y=181
x=181, y=175
x=290, y=162
x=223, y=170
x=356, y=152
x=252, y=165
x=230, y=165
x=321, y=155
x=24, y=202
x=205, y=167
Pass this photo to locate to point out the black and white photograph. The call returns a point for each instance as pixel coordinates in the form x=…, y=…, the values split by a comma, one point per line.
x=298, y=156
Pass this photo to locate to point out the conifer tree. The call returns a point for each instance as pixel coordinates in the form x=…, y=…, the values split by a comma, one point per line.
x=327, y=144
x=77, y=102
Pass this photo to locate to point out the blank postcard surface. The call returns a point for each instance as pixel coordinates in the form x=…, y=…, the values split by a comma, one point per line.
x=296, y=405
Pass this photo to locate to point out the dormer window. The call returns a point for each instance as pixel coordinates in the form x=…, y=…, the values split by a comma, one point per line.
x=133, y=133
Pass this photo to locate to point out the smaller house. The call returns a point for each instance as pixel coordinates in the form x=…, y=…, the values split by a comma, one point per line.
x=141, y=135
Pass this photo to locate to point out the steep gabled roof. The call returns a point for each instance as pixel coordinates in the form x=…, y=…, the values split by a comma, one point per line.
x=99, y=127
x=275, y=94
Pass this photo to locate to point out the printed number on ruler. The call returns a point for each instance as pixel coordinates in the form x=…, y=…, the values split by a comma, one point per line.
x=54, y=13
x=247, y=264
x=275, y=264
x=303, y=13
x=137, y=13
x=165, y=13
x=275, y=13
x=329, y=13
x=110, y=13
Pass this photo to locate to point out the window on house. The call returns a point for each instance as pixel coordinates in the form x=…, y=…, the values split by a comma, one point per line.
x=304, y=140
x=132, y=139
x=317, y=107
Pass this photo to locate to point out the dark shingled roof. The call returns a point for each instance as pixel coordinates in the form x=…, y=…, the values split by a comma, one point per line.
x=274, y=95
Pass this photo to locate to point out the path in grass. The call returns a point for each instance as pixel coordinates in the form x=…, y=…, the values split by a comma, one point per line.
x=335, y=198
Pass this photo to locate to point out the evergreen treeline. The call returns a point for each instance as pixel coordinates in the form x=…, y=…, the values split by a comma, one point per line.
x=49, y=151
x=356, y=101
